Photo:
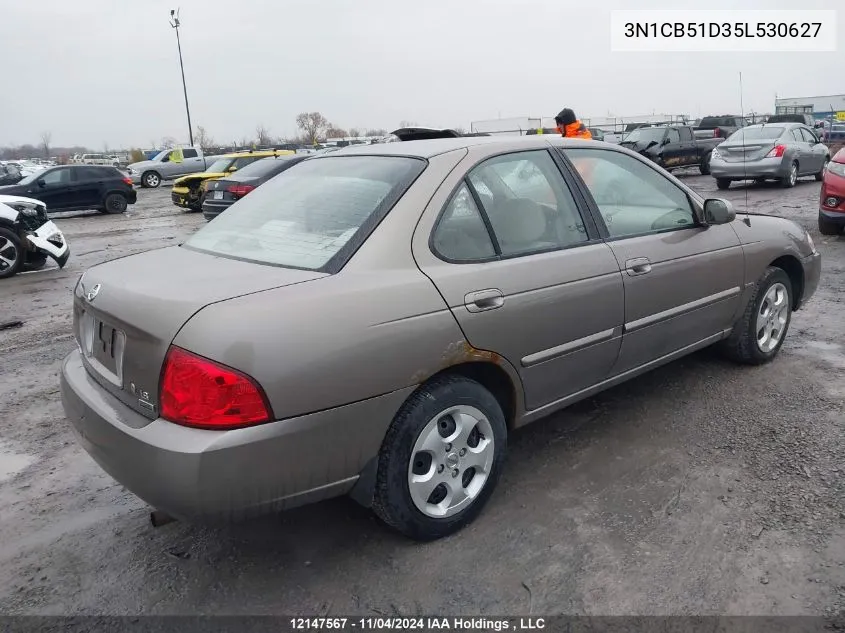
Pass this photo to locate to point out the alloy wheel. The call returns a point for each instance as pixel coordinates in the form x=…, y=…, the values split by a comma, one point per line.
x=772, y=317
x=8, y=254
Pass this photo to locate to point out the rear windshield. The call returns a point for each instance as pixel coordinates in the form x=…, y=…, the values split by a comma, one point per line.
x=264, y=166
x=313, y=215
x=756, y=133
x=717, y=121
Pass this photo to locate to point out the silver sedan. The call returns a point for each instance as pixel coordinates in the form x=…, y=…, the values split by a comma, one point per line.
x=781, y=151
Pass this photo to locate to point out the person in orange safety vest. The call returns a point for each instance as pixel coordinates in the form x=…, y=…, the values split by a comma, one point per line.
x=570, y=127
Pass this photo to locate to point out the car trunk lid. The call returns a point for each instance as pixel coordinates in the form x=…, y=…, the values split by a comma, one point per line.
x=737, y=152
x=127, y=312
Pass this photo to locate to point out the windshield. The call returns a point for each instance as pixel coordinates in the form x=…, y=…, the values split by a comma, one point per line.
x=219, y=166
x=645, y=135
x=161, y=154
x=306, y=215
x=755, y=134
x=30, y=179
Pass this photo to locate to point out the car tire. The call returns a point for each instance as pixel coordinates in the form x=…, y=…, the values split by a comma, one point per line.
x=820, y=175
x=828, y=227
x=759, y=334
x=453, y=408
x=791, y=179
x=115, y=203
x=150, y=179
x=723, y=183
x=704, y=165
x=11, y=253
x=35, y=261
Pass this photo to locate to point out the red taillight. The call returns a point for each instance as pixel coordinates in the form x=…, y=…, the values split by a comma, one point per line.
x=128, y=181
x=239, y=191
x=717, y=133
x=777, y=151
x=201, y=393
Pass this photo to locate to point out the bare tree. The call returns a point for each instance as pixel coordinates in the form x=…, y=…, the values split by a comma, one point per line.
x=312, y=124
x=333, y=131
x=460, y=130
x=203, y=138
x=354, y=131
x=408, y=124
x=263, y=136
x=376, y=132
x=46, y=137
x=168, y=142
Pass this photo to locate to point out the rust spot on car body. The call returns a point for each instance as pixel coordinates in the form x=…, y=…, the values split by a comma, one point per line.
x=454, y=354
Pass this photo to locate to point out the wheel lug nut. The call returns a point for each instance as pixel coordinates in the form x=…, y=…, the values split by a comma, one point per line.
x=440, y=468
x=455, y=473
x=448, y=447
x=462, y=452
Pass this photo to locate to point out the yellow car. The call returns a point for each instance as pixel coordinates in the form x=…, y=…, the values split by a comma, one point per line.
x=188, y=191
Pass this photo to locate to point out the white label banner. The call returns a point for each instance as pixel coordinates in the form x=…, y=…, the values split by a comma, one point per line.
x=714, y=31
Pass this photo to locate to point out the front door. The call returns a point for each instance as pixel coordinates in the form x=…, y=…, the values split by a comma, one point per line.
x=683, y=281
x=672, y=152
x=524, y=275
x=56, y=188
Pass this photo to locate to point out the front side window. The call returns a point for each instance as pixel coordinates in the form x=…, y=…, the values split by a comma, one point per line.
x=57, y=177
x=673, y=136
x=633, y=198
x=242, y=162
x=220, y=166
x=312, y=215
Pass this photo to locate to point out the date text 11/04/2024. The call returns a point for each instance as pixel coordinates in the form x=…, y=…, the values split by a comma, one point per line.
x=748, y=30
x=417, y=624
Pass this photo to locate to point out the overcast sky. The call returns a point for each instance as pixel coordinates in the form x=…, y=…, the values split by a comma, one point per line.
x=97, y=72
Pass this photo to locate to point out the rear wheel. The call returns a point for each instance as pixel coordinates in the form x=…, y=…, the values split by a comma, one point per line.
x=704, y=166
x=828, y=227
x=441, y=459
x=723, y=183
x=11, y=253
x=759, y=334
x=115, y=203
x=820, y=175
x=791, y=178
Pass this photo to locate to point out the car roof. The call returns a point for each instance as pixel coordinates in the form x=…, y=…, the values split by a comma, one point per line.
x=434, y=147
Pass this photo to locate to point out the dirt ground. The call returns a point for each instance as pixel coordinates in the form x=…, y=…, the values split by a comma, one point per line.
x=701, y=488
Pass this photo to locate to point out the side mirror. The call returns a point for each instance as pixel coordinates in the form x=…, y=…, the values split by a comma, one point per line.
x=166, y=159
x=232, y=169
x=41, y=182
x=718, y=211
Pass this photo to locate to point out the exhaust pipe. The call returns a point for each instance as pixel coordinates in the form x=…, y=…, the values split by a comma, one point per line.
x=159, y=518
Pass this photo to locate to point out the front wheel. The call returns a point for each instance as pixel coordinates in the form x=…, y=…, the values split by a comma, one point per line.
x=11, y=253
x=151, y=180
x=759, y=334
x=35, y=261
x=820, y=175
x=704, y=166
x=441, y=458
x=723, y=183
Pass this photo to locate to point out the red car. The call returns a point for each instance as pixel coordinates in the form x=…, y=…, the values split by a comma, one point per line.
x=832, y=199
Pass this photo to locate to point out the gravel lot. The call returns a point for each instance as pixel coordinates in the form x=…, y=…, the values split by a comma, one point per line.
x=702, y=488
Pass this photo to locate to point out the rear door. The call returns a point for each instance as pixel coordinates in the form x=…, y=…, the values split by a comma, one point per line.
x=523, y=272
x=683, y=281
x=89, y=184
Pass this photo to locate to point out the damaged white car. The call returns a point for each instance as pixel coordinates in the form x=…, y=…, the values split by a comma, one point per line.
x=28, y=237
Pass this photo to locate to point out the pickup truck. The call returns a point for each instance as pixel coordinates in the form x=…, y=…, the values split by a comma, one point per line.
x=719, y=126
x=672, y=146
x=168, y=164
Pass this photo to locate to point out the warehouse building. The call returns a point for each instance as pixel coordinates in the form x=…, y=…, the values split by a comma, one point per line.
x=823, y=107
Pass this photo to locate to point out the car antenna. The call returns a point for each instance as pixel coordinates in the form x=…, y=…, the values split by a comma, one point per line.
x=747, y=219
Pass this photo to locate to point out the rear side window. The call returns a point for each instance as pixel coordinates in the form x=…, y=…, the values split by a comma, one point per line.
x=312, y=216
x=461, y=235
x=189, y=153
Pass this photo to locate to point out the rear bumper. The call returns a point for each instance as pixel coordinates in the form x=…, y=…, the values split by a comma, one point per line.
x=132, y=196
x=763, y=168
x=211, y=209
x=223, y=476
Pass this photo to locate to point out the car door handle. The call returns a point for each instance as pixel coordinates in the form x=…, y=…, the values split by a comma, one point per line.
x=482, y=300
x=638, y=266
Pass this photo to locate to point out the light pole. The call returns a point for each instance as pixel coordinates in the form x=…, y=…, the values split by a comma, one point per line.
x=174, y=22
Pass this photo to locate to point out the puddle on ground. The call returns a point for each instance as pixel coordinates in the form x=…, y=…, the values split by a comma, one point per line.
x=11, y=463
